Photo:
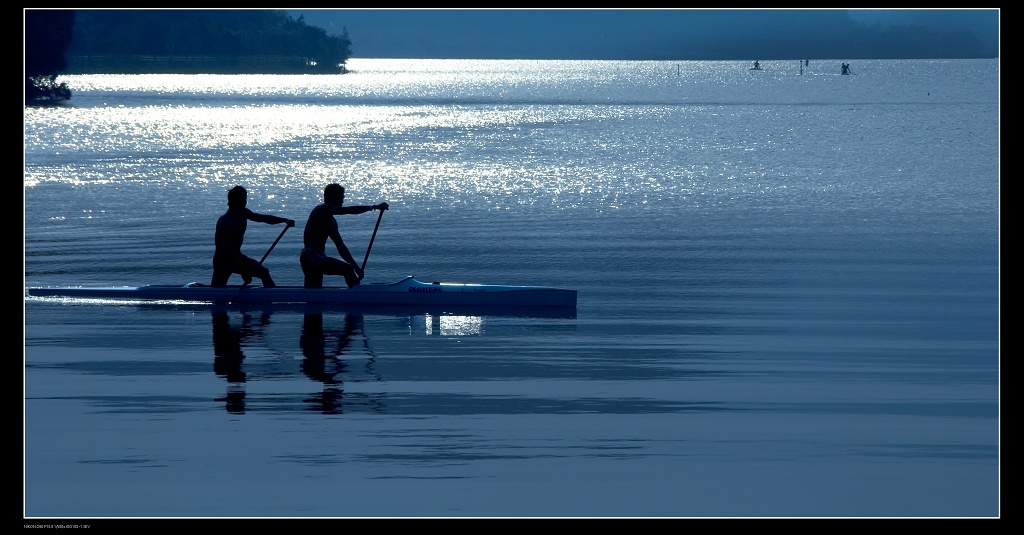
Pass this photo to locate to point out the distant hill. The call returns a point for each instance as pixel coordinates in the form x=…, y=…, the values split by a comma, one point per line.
x=215, y=41
x=664, y=34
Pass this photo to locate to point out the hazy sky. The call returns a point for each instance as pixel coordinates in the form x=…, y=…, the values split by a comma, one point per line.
x=615, y=33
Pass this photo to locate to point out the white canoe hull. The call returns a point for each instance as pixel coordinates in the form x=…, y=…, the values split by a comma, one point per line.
x=407, y=291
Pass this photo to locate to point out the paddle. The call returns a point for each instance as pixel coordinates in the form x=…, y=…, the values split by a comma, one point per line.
x=275, y=243
x=374, y=235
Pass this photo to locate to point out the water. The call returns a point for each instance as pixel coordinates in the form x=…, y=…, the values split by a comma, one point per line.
x=788, y=293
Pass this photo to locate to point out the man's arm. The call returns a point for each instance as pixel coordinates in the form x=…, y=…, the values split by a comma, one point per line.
x=342, y=210
x=342, y=249
x=359, y=209
x=271, y=219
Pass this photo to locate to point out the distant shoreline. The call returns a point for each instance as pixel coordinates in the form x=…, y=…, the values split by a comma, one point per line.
x=143, y=64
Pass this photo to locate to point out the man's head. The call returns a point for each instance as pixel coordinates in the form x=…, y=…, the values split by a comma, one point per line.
x=334, y=194
x=236, y=197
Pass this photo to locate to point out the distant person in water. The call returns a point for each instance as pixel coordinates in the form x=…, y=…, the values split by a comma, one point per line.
x=846, y=68
x=228, y=257
x=757, y=65
x=322, y=225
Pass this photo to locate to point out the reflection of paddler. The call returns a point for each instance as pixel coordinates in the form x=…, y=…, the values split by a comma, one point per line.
x=333, y=357
x=321, y=362
x=227, y=349
x=228, y=354
x=313, y=342
x=321, y=354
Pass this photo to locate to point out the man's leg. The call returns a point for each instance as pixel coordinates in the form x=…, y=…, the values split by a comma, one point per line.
x=220, y=278
x=351, y=278
x=221, y=274
x=264, y=275
x=312, y=276
x=251, y=268
x=333, y=266
x=267, y=281
x=312, y=279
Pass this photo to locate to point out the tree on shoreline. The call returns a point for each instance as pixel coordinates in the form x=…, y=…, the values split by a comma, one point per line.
x=243, y=41
x=47, y=36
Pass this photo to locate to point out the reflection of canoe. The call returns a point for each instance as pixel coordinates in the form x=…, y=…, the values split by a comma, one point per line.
x=407, y=291
x=364, y=309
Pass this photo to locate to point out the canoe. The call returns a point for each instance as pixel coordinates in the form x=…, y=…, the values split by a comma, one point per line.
x=408, y=291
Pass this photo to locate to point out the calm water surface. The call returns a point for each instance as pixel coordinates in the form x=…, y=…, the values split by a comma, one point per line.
x=788, y=293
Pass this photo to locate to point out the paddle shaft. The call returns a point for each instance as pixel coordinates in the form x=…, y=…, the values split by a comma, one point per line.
x=372, y=236
x=279, y=236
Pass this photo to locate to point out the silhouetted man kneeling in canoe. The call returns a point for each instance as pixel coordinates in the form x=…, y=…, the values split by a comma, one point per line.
x=322, y=225
x=228, y=257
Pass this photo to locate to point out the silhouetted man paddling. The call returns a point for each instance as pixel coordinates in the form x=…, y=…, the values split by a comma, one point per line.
x=228, y=257
x=322, y=225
